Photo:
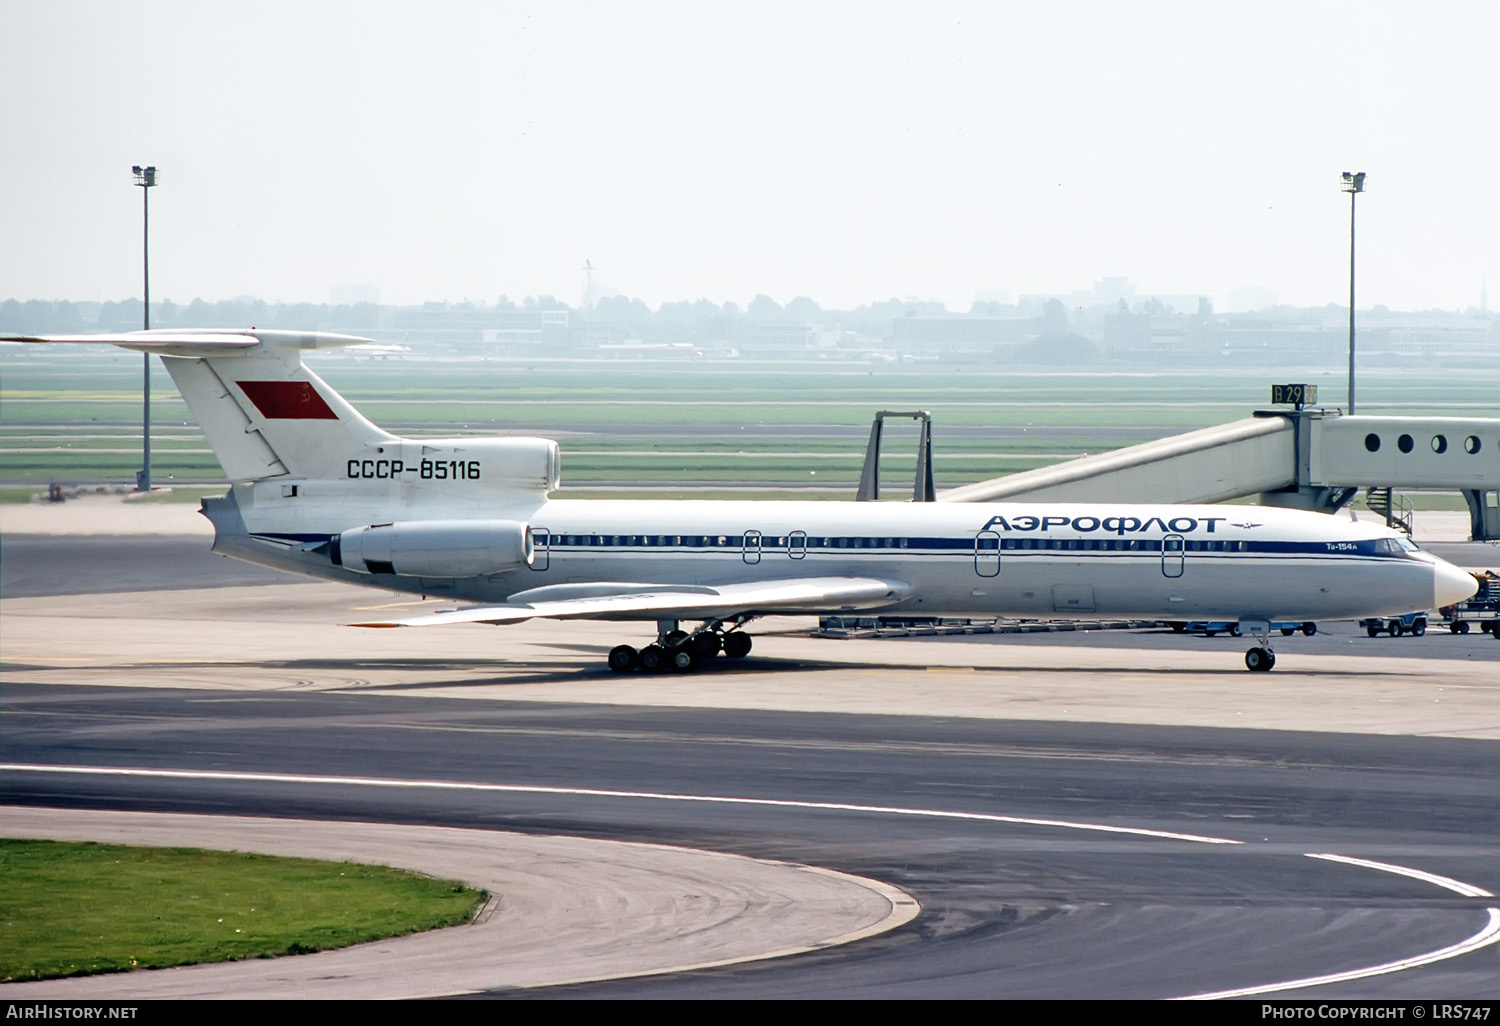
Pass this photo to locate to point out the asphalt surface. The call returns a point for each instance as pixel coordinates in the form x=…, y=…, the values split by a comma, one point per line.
x=1008, y=909
x=36, y=565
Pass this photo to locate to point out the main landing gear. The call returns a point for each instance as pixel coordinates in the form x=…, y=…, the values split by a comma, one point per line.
x=677, y=651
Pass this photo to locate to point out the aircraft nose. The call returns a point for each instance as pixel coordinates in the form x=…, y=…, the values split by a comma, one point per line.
x=1450, y=585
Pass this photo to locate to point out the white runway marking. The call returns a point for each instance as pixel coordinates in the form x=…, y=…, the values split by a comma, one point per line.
x=1489, y=935
x=589, y=792
x=1467, y=890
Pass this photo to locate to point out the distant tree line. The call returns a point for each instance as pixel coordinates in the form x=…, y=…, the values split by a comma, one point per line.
x=1057, y=334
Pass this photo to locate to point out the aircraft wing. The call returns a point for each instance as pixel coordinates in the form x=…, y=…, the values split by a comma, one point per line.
x=670, y=602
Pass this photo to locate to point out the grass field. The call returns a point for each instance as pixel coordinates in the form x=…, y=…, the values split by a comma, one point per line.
x=71, y=909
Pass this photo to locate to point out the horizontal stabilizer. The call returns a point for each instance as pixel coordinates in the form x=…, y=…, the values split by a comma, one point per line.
x=205, y=343
x=266, y=414
x=800, y=595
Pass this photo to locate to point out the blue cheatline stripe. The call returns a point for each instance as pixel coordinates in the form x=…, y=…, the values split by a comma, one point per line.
x=580, y=542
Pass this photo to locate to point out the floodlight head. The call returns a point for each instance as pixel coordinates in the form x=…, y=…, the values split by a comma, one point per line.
x=1353, y=181
x=145, y=177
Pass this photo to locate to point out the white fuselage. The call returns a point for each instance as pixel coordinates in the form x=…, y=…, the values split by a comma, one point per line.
x=1083, y=561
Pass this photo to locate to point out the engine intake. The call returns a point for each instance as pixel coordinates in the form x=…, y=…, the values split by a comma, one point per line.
x=436, y=548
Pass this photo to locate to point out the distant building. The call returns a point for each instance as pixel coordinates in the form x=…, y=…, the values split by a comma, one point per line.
x=957, y=334
x=1110, y=293
x=779, y=337
x=472, y=329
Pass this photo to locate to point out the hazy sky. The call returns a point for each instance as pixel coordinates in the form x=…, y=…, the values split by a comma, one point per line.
x=844, y=151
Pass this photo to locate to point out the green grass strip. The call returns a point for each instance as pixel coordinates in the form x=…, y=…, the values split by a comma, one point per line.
x=70, y=909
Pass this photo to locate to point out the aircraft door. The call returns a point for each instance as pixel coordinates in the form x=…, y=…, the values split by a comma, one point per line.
x=796, y=544
x=1173, y=555
x=987, y=554
x=541, y=540
x=751, y=549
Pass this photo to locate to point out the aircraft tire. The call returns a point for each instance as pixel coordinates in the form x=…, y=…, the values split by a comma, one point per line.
x=737, y=645
x=622, y=658
x=682, y=659
x=1259, y=659
x=653, y=659
x=707, y=645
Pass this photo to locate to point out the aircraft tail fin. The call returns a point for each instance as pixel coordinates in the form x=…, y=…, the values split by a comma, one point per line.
x=264, y=413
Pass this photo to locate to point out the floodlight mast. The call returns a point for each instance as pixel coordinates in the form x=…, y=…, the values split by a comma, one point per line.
x=1353, y=183
x=145, y=177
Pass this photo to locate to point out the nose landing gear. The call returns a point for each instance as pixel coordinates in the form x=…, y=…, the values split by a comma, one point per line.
x=677, y=651
x=1260, y=658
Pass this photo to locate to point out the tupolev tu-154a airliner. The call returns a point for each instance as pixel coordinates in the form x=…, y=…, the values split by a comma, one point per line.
x=319, y=490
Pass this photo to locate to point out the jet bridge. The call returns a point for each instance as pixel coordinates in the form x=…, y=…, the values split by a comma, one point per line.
x=1305, y=458
x=1246, y=457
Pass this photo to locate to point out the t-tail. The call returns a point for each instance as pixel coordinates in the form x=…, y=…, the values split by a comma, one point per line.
x=305, y=465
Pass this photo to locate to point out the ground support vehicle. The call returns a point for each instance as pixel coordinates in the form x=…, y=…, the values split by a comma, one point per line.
x=1408, y=623
x=1208, y=628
